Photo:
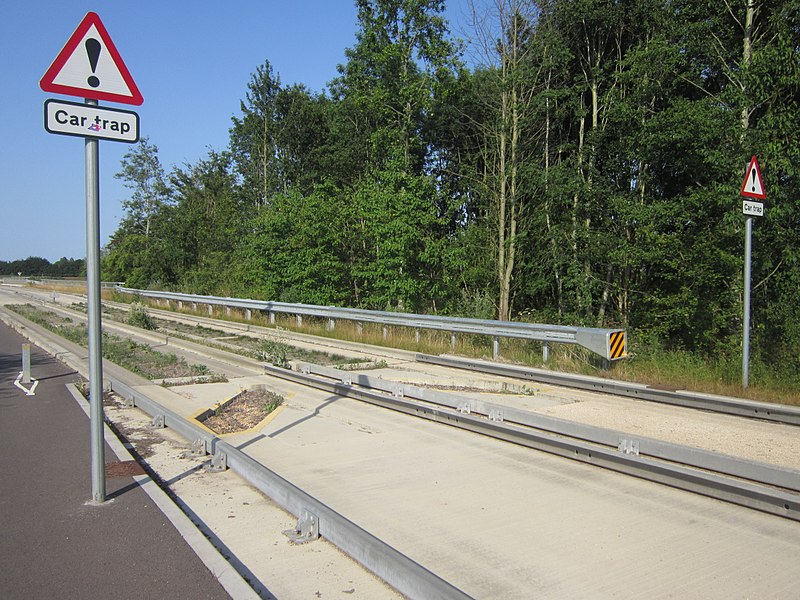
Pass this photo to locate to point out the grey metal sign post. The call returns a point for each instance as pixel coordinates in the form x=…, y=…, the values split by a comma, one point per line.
x=92, y=149
x=752, y=187
x=89, y=66
x=748, y=252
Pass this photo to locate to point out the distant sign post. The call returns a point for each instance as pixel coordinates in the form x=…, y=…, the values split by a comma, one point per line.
x=90, y=67
x=752, y=188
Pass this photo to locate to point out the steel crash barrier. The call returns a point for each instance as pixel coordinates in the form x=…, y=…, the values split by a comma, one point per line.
x=611, y=344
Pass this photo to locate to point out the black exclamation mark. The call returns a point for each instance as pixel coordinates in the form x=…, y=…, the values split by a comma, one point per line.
x=753, y=173
x=93, y=48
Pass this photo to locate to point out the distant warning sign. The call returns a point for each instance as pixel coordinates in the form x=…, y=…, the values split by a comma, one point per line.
x=753, y=184
x=89, y=66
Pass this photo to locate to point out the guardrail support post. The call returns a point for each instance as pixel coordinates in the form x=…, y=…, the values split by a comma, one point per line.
x=495, y=348
x=331, y=324
x=385, y=332
x=228, y=311
x=416, y=335
x=210, y=309
x=194, y=305
x=180, y=305
x=452, y=340
x=359, y=327
x=545, y=352
x=299, y=320
x=272, y=318
x=248, y=314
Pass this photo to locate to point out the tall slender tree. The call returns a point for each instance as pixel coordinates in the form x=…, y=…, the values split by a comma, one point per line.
x=254, y=143
x=142, y=173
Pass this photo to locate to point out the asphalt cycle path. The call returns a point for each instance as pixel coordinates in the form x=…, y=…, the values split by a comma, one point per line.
x=53, y=542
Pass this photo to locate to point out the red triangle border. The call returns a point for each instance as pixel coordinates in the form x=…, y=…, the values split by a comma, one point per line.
x=47, y=82
x=748, y=194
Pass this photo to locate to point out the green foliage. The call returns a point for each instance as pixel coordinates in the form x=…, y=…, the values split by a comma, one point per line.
x=272, y=402
x=139, y=317
x=274, y=352
x=138, y=358
x=587, y=174
x=37, y=266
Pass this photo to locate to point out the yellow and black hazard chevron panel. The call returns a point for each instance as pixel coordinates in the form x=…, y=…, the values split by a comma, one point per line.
x=616, y=345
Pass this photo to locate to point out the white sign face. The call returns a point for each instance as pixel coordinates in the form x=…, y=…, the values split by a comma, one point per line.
x=753, y=208
x=84, y=120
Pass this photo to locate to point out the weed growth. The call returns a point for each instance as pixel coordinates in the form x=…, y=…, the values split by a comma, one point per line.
x=139, y=317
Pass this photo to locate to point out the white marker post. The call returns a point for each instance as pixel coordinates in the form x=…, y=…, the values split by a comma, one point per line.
x=90, y=67
x=26, y=363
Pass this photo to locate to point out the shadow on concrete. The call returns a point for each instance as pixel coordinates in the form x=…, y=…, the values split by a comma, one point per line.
x=315, y=413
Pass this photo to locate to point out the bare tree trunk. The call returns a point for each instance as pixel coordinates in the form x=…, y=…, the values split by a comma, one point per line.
x=747, y=55
x=505, y=51
x=502, y=205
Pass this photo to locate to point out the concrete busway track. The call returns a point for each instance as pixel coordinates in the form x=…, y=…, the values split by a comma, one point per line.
x=740, y=433
x=765, y=411
x=708, y=402
x=777, y=413
x=730, y=434
x=297, y=571
x=499, y=521
x=751, y=484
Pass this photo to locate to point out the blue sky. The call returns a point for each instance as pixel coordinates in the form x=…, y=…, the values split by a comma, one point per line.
x=191, y=60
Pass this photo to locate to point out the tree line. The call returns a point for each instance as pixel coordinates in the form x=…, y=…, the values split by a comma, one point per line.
x=574, y=161
x=36, y=266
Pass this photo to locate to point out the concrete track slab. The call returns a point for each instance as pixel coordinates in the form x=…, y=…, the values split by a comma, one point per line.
x=500, y=521
x=246, y=524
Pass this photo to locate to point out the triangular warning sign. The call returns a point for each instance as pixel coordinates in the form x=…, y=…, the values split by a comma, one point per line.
x=89, y=66
x=753, y=185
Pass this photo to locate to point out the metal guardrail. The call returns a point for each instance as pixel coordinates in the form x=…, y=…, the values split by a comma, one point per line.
x=394, y=567
x=623, y=458
x=758, y=472
x=611, y=344
x=779, y=413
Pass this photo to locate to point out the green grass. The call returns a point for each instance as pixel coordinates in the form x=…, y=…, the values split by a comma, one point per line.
x=133, y=356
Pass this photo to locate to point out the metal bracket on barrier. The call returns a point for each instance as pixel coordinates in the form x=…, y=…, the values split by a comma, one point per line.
x=347, y=380
x=307, y=529
x=128, y=402
x=398, y=392
x=629, y=446
x=219, y=462
x=305, y=369
x=199, y=447
x=158, y=422
x=496, y=414
x=465, y=407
